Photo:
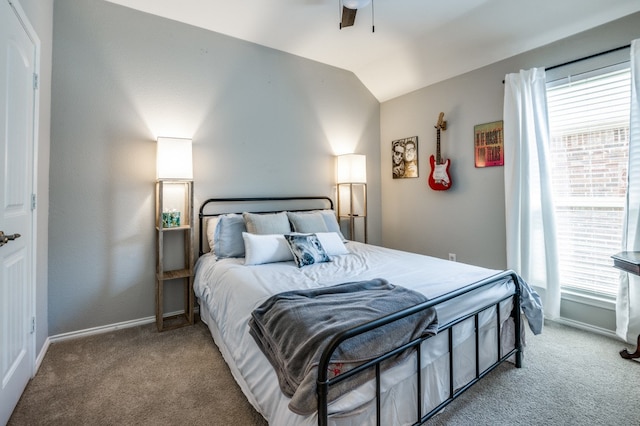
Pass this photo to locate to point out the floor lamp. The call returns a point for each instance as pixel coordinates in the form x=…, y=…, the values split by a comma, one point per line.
x=352, y=192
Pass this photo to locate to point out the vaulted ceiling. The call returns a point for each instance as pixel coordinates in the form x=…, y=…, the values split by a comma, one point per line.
x=415, y=43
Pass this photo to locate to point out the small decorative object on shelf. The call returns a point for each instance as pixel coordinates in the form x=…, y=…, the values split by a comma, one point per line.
x=352, y=193
x=174, y=214
x=170, y=219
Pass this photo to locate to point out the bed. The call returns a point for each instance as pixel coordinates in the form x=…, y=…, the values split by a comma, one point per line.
x=243, y=266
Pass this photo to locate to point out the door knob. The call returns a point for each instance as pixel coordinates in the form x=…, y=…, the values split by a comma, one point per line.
x=4, y=239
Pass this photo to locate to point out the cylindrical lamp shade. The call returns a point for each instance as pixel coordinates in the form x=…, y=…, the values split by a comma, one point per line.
x=355, y=4
x=174, y=159
x=352, y=168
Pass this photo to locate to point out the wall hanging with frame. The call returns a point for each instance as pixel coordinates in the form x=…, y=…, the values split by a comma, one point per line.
x=404, y=158
x=489, y=144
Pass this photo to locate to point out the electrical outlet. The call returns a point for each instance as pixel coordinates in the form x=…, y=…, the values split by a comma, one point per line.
x=452, y=257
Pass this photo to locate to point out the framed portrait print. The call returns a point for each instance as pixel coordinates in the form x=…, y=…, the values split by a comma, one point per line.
x=404, y=158
x=489, y=144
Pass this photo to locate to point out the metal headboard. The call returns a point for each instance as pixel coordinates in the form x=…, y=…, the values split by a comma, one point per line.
x=235, y=205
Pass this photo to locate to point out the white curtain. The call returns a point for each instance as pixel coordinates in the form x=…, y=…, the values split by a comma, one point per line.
x=628, y=301
x=531, y=236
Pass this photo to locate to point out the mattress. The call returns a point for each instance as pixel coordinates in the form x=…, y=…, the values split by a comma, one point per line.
x=228, y=291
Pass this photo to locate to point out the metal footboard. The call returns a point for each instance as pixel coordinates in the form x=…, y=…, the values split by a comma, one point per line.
x=324, y=383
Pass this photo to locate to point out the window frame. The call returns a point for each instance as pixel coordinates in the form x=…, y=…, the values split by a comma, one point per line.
x=574, y=72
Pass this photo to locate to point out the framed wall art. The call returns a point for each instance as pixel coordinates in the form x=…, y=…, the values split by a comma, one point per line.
x=404, y=158
x=489, y=144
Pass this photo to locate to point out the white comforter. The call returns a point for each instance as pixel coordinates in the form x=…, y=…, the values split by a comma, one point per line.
x=228, y=291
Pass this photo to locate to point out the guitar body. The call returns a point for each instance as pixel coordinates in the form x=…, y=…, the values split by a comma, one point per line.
x=439, y=178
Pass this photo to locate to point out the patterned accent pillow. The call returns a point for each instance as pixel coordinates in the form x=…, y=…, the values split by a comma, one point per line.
x=306, y=249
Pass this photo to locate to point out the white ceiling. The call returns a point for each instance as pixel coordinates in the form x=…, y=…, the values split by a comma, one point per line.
x=416, y=42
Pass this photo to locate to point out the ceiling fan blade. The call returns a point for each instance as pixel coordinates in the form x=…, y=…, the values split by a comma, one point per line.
x=348, y=17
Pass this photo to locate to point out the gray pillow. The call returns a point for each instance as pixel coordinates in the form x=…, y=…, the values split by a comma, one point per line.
x=271, y=223
x=227, y=239
x=307, y=222
x=331, y=222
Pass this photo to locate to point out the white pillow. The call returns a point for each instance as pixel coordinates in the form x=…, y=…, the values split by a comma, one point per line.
x=267, y=248
x=212, y=223
x=332, y=243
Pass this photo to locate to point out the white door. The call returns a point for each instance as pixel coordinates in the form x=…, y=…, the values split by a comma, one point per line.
x=17, y=100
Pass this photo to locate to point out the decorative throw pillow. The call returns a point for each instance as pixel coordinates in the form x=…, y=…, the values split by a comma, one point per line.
x=227, y=235
x=332, y=243
x=269, y=248
x=212, y=223
x=306, y=249
x=271, y=223
x=306, y=222
x=331, y=221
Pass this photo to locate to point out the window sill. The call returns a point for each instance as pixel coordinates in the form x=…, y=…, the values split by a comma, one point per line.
x=598, y=301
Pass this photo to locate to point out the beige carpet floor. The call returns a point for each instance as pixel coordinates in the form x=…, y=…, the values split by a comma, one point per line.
x=135, y=376
x=138, y=376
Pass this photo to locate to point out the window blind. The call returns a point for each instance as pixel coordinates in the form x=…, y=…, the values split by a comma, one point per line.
x=589, y=126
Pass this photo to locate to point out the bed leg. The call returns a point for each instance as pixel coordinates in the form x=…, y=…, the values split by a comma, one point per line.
x=322, y=412
x=322, y=393
x=517, y=319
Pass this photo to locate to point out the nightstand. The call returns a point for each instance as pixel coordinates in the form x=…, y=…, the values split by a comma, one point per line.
x=628, y=261
x=176, y=224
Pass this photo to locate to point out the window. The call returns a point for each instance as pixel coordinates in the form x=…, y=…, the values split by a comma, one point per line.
x=589, y=125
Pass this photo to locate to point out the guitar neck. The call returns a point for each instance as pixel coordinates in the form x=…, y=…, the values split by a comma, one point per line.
x=438, y=159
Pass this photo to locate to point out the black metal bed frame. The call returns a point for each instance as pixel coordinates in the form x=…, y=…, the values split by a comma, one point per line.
x=324, y=383
x=325, y=203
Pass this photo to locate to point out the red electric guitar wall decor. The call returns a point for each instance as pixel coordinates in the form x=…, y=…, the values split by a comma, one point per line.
x=439, y=179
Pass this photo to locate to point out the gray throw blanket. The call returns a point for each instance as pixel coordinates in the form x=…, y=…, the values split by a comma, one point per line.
x=293, y=328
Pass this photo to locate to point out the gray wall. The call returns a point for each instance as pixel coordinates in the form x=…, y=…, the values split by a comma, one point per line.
x=468, y=219
x=40, y=15
x=262, y=122
x=257, y=117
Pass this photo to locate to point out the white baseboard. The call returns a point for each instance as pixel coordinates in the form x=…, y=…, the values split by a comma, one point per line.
x=41, y=355
x=101, y=329
x=586, y=327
